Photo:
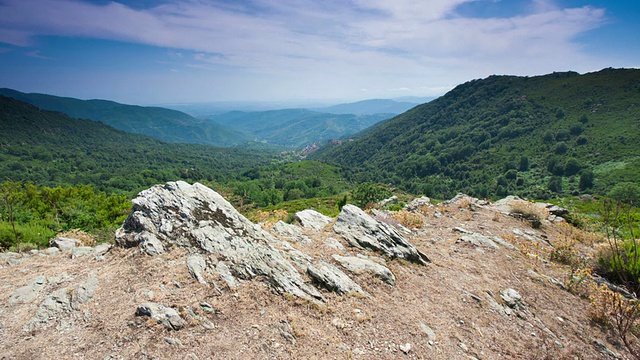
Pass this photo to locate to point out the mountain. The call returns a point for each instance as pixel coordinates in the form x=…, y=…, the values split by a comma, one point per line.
x=370, y=107
x=160, y=123
x=295, y=127
x=51, y=148
x=532, y=136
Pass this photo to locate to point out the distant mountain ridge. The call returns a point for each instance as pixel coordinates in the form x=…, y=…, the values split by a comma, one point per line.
x=561, y=133
x=160, y=123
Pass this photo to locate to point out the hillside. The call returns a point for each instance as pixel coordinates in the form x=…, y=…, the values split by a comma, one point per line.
x=531, y=136
x=468, y=281
x=50, y=148
x=160, y=123
x=295, y=127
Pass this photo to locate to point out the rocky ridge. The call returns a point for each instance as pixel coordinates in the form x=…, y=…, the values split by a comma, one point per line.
x=186, y=263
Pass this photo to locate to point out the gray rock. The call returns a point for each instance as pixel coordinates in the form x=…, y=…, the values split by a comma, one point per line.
x=431, y=335
x=511, y=297
x=84, y=291
x=332, y=279
x=164, y=315
x=334, y=244
x=51, y=251
x=199, y=219
x=479, y=240
x=418, y=203
x=359, y=265
x=391, y=200
x=81, y=251
x=290, y=232
x=29, y=292
x=312, y=219
x=363, y=231
x=197, y=266
x=65, y=244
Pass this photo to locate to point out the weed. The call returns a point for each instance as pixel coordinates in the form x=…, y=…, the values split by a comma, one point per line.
x=620, y=314
x=408, y=219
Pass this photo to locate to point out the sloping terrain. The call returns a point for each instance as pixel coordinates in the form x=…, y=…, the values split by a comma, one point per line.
x=486, y=291
x=51, y=148
x=295, y=127
x=160, y=123
x=529, y=136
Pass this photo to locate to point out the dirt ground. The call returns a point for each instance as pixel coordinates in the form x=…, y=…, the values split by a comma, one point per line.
x=449, y=309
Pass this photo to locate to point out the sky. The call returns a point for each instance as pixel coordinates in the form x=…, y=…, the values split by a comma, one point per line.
x=190, y=51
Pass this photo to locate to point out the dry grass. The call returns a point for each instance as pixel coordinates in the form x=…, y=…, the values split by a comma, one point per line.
x=85, y=238
x=408, y=219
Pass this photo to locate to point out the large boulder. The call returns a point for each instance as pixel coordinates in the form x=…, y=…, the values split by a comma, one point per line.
x=363, y=231
x=198, y=219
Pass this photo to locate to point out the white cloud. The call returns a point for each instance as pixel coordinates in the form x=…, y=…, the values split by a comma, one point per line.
x=362, y=44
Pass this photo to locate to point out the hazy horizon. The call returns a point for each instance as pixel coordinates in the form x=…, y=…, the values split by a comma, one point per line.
x=185, y=51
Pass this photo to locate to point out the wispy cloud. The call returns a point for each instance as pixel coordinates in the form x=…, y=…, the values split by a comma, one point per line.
x=396, y=41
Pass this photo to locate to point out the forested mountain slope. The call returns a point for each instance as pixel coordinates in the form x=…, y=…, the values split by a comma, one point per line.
x=50, y=148
x=164, y=124
x=295, y=127
x=532, y=136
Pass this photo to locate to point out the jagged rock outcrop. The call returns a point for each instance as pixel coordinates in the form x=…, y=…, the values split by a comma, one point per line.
x=200, y=220
x=223, y=244
x=363, y=231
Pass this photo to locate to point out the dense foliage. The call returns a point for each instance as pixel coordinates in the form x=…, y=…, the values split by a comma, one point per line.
x=52, y=149
x=537, y=137
x=34, y=214
x=160, y=123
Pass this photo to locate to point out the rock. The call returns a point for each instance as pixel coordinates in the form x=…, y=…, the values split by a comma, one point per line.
x=197, y=265
x=463, y=200
x=405, y=348
x=29, y=292
x=173, y=342
x=479, y=240
x=84, y=291
x=431, y=335
x=363, y=231
x=163, y=315
x=332, y=279
x=100, y=250
x=290, y=232
x=511, y=297
x=65, y=244
x=198, y=219
x=51, y=251
x=557, y=210
x=81, y=251
x=312, y=219
x=385, y=202
x=358, y=265
x=418, y=203
x=334, y=244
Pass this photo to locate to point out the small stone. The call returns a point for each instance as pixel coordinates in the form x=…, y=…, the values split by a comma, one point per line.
x=463, y=347
x=173, y=342
x=431, y=334
x=405, y=348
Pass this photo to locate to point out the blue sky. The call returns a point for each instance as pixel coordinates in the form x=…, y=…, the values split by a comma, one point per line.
x=182, y=51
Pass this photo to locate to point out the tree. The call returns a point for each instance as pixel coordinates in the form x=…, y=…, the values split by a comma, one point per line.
x=524, y=163
x=10, y=199
x=586, y=180
x=555, y=184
